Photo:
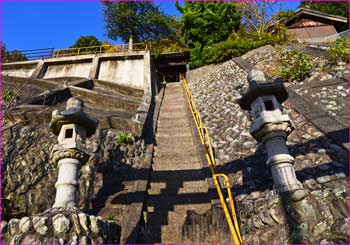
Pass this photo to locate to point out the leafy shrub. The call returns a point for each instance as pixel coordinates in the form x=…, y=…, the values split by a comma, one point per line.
x=339, y=51
x=293, y=65
x=196, y=55
x=123, y=138
x=160, y=46
x=7, y=94
x=236, y=45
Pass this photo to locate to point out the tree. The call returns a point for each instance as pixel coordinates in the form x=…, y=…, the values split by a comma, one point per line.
x=11, y=56
x=207, y=23
x=86, y=41
x=260, y=16
x=144, y=21
x=335, y=8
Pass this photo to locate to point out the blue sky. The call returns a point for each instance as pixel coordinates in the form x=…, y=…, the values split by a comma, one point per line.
x=48, y=24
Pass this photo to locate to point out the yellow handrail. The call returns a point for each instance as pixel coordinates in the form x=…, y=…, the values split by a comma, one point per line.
x=203, y=133
x=100, y=49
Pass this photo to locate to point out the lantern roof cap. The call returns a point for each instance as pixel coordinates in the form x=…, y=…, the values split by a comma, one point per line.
x=73, y=114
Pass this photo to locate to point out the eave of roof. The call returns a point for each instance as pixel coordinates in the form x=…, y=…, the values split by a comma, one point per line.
x=300, y=11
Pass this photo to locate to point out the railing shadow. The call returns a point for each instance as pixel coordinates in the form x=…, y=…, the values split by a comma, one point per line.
x=256, y=177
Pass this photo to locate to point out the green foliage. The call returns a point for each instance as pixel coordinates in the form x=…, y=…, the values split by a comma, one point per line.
x=144, y=21
x=166, y=46
x=205, y=25
x=335, y=8
x=11, y=56
x=236, y=45
x=196, y=58
x=208, y=23
x=110, y=217
x=86, y=42
x=293, y=65
x=123, y=138
x=215, y=34
x=284, y=15
x=7, y=94
x=339, y=51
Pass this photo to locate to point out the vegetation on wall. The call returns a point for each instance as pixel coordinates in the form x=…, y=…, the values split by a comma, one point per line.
x=216, y=32
x=7, y=94
x=339, y=51
x=293, y=65
x=11, y=56
x=240, y=43
x=123, y=138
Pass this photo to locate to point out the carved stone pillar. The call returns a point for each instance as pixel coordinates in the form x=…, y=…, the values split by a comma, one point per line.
x=72, y=127
x=271, y=127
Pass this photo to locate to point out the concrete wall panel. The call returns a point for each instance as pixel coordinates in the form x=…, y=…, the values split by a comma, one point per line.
x=67, y=70
x=19, y=69
x=19, y=73
x=128, y=72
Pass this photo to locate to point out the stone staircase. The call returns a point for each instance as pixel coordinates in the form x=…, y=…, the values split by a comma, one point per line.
x=178, y=180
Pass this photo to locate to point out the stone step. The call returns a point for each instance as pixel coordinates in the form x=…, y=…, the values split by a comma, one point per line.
x=187, y=187
x=158, y=190
x=179, y=107
x=171, y=234
x=188, y=190
x=196, y=183
x=176, y=155
x=178, y=125
x=200, y=208
x=174, y=133
x=174, y=103
x=177, y=130
x=175, y=220
x=172, y=115
x=164, y=150
x=174, y=140
x=173, y=123
x=178, y=92
x=173, y=85
x=173, y=89
x=178, y=178
x=181, y=160
x=165, y=166
x=180, y=146
x=174, y=97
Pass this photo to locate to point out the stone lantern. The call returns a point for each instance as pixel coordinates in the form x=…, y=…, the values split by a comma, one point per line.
x=271, y=127
x=72, y=126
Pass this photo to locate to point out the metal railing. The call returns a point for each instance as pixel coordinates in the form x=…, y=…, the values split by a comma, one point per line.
x=32, y=54
x=100, y=49
x=230, y=212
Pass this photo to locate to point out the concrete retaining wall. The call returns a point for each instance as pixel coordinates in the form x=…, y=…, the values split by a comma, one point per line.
x=127, y=68
x=125, y=72
x=19, y=69
x=67, y=70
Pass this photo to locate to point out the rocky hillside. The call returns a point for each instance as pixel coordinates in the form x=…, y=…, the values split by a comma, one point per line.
x=321, y=164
